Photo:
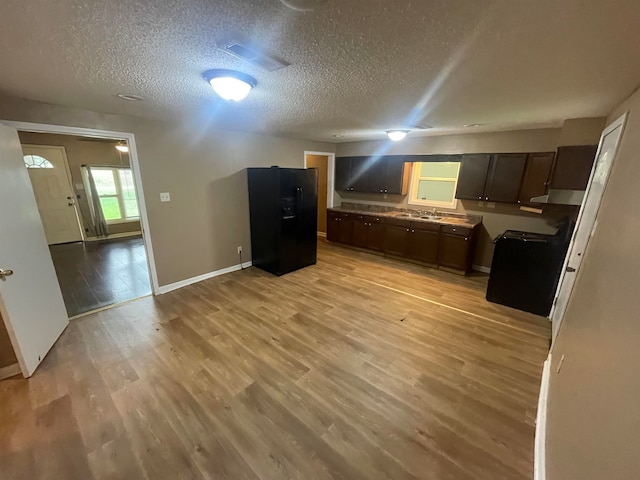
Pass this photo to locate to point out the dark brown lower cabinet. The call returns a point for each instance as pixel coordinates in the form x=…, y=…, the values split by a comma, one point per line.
x=423, y=244
x=455, y=248
x=396, y=239
x=360, y=232
x=333, y=226
x=448, y=245
x=345, y=229
x=376, y=235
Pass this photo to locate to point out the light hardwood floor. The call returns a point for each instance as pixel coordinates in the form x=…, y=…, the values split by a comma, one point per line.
x=356, y=368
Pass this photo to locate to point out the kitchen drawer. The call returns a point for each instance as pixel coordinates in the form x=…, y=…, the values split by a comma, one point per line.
x=456, y=230
x=429, y=226
x=398, y=221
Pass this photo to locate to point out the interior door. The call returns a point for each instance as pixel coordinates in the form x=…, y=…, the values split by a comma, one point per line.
x=585, y=225
x=30, y=300
x=321, y=163
x=51, y=182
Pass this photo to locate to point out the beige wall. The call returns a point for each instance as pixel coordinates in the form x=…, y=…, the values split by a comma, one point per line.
x=496, y=217
x=593, y=429
x=82, y=152
x=203, y=169
x=7, y=355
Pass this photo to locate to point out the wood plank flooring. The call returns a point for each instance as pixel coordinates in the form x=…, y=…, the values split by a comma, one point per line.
x=97, y=274
x=356, y=368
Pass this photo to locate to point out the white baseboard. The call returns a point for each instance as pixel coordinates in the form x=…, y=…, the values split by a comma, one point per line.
x=480, y=268
x=540, y=456
x=115, y=235
x=190, y=281
x=322, y=234
x=9, y=371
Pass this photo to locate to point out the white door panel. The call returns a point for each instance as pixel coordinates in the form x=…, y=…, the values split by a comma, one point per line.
x=586, y=223
x=54, y=195
x=30, y=300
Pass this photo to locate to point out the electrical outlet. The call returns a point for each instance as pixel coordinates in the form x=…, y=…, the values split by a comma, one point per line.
x=239, y=249
x=165, y=197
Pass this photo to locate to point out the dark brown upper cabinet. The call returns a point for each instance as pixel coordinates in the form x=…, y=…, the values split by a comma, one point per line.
x=537, y=175
x=385, y=174
x=352, y=174
x=473, y=176
x=492, y=178
x=573, y=167
x=505, y=177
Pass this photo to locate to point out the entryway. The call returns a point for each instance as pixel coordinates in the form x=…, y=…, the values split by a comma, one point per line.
x=110, y=239
x=88, y=205
x=325, y=164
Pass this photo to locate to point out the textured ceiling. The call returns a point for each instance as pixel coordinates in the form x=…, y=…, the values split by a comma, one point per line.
x=358, y=67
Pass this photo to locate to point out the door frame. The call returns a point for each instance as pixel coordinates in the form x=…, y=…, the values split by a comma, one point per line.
x=619, y=122
x=135, y=168
x=69, y=180
x=331, y=167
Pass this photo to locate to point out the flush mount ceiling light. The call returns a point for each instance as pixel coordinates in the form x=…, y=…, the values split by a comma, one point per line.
x=129, y=97
x=397, y=135
x=231, y=85
x=122, y=147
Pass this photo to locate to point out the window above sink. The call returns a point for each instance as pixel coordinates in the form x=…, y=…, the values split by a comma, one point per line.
x=433, y=184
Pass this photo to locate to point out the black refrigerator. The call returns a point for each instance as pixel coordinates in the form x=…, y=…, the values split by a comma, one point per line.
x=283, y=210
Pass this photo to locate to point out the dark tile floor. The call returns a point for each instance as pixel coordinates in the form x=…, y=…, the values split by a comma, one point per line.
x=97, y=274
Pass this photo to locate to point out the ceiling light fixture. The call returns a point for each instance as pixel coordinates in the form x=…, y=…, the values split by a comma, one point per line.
x=230, y=85
x=131, y=98
x=122, y=147
x=397, y=135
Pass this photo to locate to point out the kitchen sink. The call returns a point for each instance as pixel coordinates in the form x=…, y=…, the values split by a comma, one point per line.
x=430, y=217
x=404, y=215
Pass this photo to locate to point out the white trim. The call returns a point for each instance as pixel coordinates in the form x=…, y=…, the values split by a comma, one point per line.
x=554, y=316
x=114, y=236
x=331, y=168
x=481, y=268
x=10, y=371
x=135, y=167
x=190, y=281
x=322, y=234
x=539, y=456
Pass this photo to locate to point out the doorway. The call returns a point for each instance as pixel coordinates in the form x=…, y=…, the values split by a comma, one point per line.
x=88, y=204
x=587, y=221
x=325, y=164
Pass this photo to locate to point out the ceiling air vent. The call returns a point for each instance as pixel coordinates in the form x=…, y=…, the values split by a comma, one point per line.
x=255, y=57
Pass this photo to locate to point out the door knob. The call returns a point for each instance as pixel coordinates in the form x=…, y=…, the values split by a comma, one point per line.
x=5, y=273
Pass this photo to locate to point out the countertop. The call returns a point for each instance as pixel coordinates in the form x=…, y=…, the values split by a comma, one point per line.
x=446, y=218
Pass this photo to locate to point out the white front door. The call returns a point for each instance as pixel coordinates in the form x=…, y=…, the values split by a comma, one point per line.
x=51, y=182
x=586, y=223
x=30, y=300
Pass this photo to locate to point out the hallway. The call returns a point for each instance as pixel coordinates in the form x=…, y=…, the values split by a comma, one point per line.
x=97, y=274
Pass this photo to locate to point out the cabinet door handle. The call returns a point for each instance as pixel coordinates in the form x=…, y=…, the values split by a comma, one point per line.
x=385, y=191
x=381, y=190
x=413, y=231
x=479, y=198
x=486, y=198
x=466, y=238
x=453, y=229
x=407, y=229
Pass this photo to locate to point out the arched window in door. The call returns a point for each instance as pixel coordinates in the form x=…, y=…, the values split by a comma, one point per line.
x=36, y=161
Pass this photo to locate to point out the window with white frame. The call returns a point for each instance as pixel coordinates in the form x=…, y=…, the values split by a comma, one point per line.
x=434, y=184
x=117, y=194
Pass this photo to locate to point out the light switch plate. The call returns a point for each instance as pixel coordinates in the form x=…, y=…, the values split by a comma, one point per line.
x=165, y=197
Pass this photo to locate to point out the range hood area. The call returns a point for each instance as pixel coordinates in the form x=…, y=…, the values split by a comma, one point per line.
x=561, y=197
x=570, y=175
